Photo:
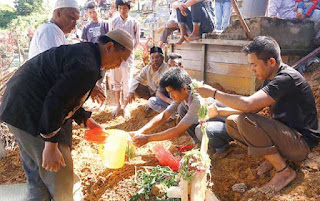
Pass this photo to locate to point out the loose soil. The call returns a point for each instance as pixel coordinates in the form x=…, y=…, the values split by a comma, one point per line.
x=100, y=183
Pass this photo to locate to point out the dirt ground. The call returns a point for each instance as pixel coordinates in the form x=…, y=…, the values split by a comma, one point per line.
x=100, y=183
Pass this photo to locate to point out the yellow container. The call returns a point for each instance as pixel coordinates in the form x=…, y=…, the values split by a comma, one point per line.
x=114, y=150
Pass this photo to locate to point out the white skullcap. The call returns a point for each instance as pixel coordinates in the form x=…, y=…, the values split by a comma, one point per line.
x=122, y=37
x=66, y=4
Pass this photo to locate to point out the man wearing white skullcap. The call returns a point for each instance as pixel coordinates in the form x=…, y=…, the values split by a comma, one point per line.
x=44, y=96
x=52, y=34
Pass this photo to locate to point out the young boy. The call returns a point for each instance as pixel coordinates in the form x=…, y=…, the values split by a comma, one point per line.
x=91, y=33
x=96, y=27
x=121, y=76
x=305, y=8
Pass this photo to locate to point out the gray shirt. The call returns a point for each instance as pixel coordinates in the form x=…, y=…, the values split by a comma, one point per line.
x=192, y=105
x=92, y=31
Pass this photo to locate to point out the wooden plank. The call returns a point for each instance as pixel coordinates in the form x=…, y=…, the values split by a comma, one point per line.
x=194, y=74
x=224, y=48
x=237, y=70
x=252, y=85
x=190, y=54
x=191, y=64
x=203, y=62
x=227, y=57
x=239, y=85
x=240, y=43
x=189, y=46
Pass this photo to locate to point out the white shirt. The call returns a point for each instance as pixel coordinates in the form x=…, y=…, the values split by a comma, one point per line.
x=148, y=78
x=47, y=36
x=132, y=27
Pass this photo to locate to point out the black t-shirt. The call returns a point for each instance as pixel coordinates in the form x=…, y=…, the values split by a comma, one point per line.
x=295, y=103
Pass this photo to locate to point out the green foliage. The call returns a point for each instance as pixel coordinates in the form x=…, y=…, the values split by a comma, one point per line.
x=158, y=175
x=7, y=14
x=138, y=53
x=26, y=7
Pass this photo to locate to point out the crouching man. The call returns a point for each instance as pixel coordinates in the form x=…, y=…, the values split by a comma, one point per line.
x=176, y=81
x=293, y=130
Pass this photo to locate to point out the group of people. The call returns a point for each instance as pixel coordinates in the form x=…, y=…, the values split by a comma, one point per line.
x=291, y=9
x=47, y=93
x=195, y=17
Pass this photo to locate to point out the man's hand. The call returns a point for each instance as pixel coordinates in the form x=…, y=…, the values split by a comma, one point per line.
x=130, y=97
x=97, y=95
x=183, y=7
x=213, y=110
x=92, y=124
x=206, y=91
x=52, y=157
x=140, y=139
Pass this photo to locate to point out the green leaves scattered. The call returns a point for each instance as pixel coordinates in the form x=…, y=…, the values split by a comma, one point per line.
x=158, y=175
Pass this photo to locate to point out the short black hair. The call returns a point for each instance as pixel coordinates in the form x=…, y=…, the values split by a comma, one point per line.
x=176, y=78
x=265, y=47
x=174, y=55
x=91, y=5
x=103, y=39
x=123, y=2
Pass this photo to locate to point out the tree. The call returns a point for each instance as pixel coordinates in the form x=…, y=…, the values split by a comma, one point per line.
x=26, y=7
x=7, y=14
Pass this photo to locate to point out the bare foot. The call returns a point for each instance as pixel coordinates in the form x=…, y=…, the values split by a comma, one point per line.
x=192, y=37
x=116, y=111
x=278, y=182
x=264, y=167
x=181, y=40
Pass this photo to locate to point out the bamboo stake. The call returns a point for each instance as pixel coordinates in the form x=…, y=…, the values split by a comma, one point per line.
x=198, y=186
x=243, y=23
x=306, y=58
x=184, y=185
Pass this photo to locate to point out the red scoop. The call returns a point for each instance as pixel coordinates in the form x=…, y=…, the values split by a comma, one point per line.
x=95, y=135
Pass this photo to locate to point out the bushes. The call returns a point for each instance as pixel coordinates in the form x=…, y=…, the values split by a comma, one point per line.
x=7, y=14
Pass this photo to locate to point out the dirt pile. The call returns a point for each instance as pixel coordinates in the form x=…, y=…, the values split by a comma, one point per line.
x=100, y=183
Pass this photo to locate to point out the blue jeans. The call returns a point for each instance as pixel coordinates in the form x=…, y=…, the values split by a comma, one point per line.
x=223, y=12
x=157, y=104
x=216, y=131
x=199, y=15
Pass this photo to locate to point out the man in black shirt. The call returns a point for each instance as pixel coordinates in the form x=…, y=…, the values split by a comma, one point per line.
x=46, y=93
x=293, y=130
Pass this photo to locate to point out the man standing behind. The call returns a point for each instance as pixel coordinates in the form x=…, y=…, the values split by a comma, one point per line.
x=96, y=27
x=91, y=32
x=52, y=34
x=122, y=76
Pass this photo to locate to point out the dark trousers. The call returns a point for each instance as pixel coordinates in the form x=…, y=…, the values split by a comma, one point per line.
x=216, y=131
x=199, y=15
